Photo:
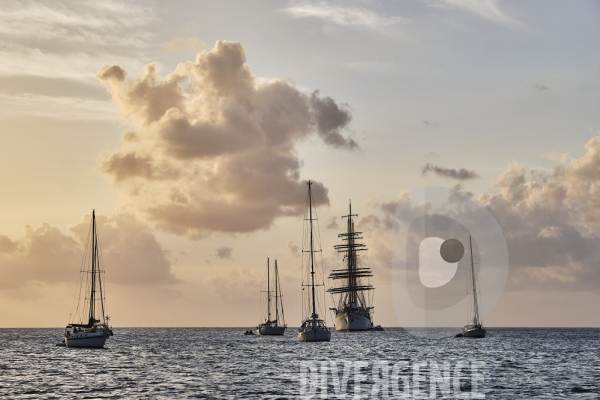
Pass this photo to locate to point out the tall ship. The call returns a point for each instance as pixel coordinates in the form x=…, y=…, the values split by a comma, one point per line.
x=475, y=328
x=352, y=293
x=89, y=326
x=274, y=323
x=313, y=328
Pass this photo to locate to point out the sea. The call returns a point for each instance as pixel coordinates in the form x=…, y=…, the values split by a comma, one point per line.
x=223, y=363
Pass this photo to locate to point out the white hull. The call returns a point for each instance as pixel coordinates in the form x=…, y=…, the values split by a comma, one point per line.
x=319, y=334
x=83, y=339
x=473, y=331
x=271, y=330
x=349, y=321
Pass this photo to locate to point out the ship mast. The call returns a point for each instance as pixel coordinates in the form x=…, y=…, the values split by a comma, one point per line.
x=278, y=287
x=351, y=256
x=351, y=277
x=268, y=293
x=96, y=278
x=93, y=288
x=475, y=305
x=276, y=296
x=312, y=258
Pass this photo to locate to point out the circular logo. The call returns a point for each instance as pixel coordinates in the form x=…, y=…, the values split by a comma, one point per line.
x=452, y=250
x=446, y=246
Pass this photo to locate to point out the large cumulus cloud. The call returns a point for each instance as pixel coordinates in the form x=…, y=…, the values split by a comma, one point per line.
x=130, y=252
x=213, y=149
x=551, y=222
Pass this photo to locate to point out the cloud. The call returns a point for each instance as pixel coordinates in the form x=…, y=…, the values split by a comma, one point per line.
x=237, y=287
x=293, y=248
x=212, y=150
x=487, y=9
x=113, y=73
x=459, y=174
x=66, y=26
x=224, y=252
x=330, y=119
x=332, y=224
x=123, y=166
x=7, y=245
x=550, y=222
x=49, y=52
x=65, y=108
x=376, y=230
x=130, y=252
x=18, y=84
x=67, y=40
x=343, y=15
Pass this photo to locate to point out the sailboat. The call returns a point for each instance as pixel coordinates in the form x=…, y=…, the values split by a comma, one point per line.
x=313, y=328
x=273, y=326
x=475, y=329
x=91, y=327
x=353, y=311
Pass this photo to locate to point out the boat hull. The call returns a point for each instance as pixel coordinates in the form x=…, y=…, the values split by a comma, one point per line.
x=271, y=330
x=314, y=335
x=88, y=340
x=473, y=332
x=352, y=321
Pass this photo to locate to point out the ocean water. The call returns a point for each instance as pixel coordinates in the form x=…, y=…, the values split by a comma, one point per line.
x=222, y=363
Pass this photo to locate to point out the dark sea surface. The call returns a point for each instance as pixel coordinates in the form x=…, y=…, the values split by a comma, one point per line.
x=222, y=363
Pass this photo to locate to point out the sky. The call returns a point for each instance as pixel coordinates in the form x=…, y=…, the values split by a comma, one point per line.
x=191, y=128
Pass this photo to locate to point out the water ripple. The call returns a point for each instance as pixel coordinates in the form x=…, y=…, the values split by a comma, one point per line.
x=219, y=363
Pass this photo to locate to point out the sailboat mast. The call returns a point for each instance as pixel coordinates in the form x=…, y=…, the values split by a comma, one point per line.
x=312, y=257
x=280, y=296
x=100, y=285
x=94, y=251
x=351, y=258
x=268, y=293
x=276, y=296
x=475, y=305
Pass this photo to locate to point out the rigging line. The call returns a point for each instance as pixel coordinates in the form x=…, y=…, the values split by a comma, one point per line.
x=312, y=258
x=268, y=292
x=276, y=295
x=92, y=313
x=478, y=290
x=88, y=257
x=262, y=310
x=303, y=271
x=100, y=272
x=77, y=296
x=280, y=298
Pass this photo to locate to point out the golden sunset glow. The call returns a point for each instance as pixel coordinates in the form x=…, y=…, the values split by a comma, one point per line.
x=192, y=127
